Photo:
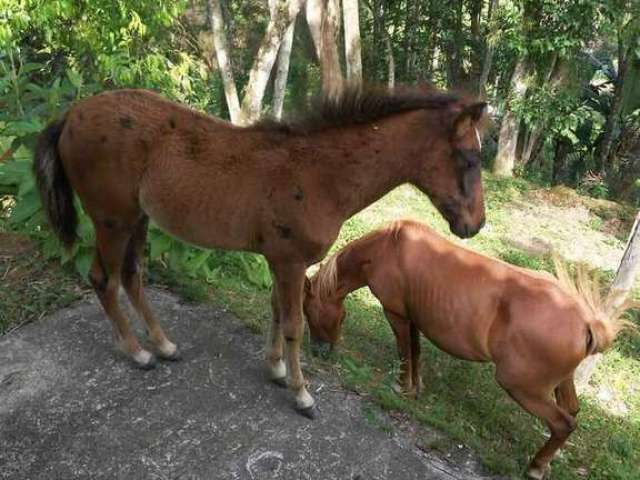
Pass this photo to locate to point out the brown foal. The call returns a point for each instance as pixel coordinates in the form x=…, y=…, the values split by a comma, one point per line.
x=279, y=189
x=534, y=327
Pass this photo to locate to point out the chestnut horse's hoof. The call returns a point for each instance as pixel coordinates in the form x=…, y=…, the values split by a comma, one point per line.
x=281, y=382
x=309, y=412
x=539, y=473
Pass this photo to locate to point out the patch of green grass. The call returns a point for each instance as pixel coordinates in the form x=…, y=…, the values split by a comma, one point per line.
x=31, y=287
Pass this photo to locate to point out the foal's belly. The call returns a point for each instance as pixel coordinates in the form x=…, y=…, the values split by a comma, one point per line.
x=205, y=213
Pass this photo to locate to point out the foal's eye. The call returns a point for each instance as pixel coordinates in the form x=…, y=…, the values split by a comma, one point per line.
x=468, y=159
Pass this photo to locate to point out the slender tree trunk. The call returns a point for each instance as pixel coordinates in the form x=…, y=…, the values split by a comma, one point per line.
x=510, y=127
x=223, y=60
x=282, y=73
x=622, y=285
x=323, y=19
x=380, y=27
x=613, y=119
x=352, y=46
x=313, y=13
x=283, y=14
x=489, y=49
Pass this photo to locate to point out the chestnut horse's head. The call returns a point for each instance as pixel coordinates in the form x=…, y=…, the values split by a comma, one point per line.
x=324, y=316
x=452, y=177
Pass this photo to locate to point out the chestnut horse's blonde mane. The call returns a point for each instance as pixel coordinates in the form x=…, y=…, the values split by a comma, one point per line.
x=326, y=278
x=607, y=309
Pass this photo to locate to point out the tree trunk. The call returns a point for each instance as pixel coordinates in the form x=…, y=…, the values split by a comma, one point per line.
x=323, y=19
x=352, y=46
x=223, y=60
x=284, y=56
x=510, y=128
x=380, y=27
x=488, y=52
x=622, y=285
x=613, y=118
x=283, y=14
x=313, y=13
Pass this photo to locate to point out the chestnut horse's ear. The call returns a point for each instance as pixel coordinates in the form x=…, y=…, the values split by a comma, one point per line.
x=307, y=285
x=468, y=117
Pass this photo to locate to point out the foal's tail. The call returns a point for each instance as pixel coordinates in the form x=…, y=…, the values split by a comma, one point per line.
x=55, y=191
x=608, y=312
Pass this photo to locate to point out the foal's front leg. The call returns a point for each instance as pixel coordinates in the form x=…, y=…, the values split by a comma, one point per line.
x=289, y=282
x=275, y=345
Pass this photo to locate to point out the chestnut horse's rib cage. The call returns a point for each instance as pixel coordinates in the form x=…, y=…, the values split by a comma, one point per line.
x=282, y=190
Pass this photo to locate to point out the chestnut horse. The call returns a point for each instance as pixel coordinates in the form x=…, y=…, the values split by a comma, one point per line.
x=282, y=190
x=535, y=328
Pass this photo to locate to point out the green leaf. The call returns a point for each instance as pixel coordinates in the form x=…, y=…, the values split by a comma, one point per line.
x=159, y=245
x=25, y=208
x=75, y=78
x=83, y=261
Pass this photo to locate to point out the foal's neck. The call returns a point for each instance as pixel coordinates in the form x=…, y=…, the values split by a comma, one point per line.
x=364, y=162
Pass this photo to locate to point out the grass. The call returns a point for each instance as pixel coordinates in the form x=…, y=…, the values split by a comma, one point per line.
x=31, y=286
x=461, y=398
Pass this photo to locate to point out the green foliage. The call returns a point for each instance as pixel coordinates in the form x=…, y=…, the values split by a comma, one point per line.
x=45, y=65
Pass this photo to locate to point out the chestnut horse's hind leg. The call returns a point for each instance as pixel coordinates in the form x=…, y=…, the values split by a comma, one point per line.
x=560, y=423
x=105, y=273
x=275, y=346
x=132, y=282
x=289, y=281
x=567, y=398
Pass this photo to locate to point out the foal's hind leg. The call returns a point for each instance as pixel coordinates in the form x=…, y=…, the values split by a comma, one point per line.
x=132, y=283
x=105, y=278
x=275, y=346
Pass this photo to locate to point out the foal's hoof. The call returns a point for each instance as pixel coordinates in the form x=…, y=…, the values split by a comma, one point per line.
x=539, y=473
x=309, y=412
x=281, y=382
x=144, y=360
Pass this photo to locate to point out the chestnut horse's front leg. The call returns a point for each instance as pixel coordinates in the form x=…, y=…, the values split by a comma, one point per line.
x=402, y=330
x=416, y=378
x=289, y=284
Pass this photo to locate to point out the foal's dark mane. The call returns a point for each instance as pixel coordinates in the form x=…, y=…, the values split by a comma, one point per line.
x=358, y=105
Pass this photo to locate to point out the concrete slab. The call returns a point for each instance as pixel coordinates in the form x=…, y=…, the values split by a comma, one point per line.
x=72, y=408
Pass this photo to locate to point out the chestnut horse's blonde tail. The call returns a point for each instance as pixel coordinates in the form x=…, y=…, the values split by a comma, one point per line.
x=53, y=185
x=326, y=280
x=608, y=310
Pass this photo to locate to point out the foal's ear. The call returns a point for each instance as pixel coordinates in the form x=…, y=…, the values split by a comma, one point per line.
x=468, y=118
